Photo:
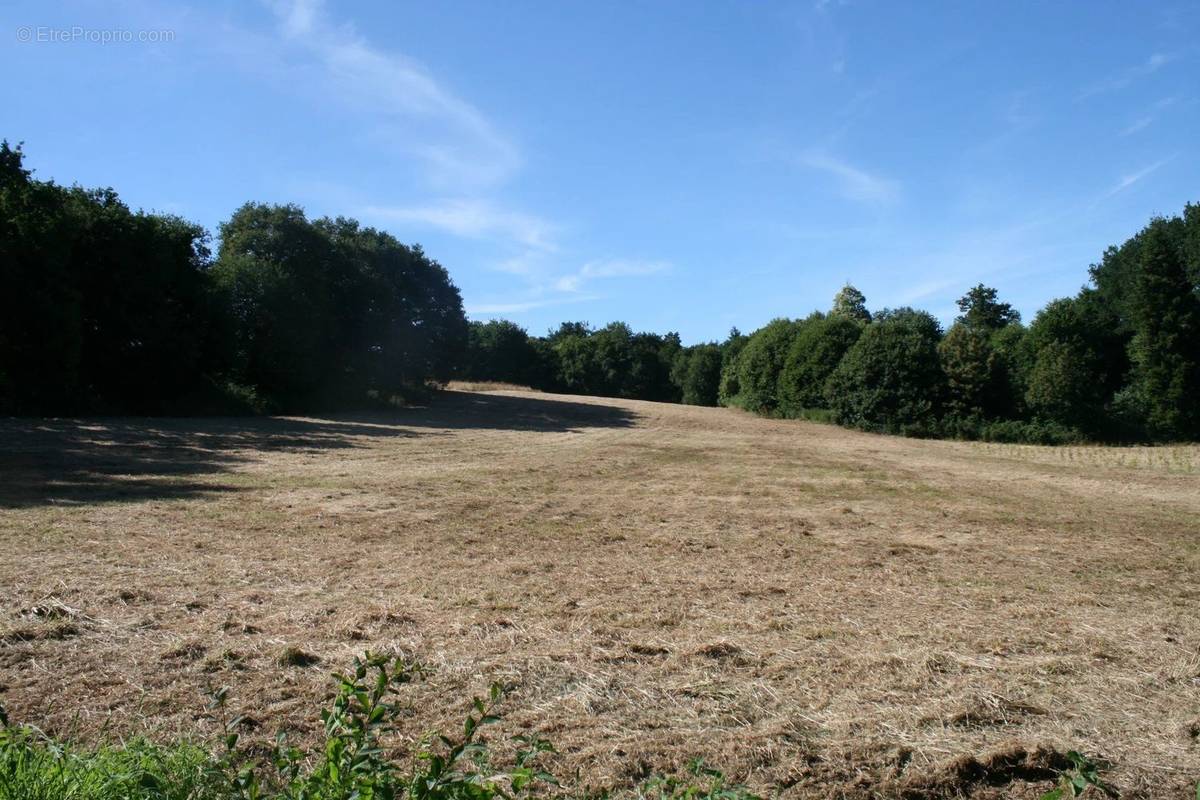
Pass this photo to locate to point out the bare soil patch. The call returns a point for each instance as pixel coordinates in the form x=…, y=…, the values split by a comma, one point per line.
x=823, y=612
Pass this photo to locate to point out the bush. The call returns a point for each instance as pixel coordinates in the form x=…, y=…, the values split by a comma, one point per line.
x=891, y=379
x=501, y=351
x=697, y=373
x=819, y=346
x=1010, y=431
x=758, y=364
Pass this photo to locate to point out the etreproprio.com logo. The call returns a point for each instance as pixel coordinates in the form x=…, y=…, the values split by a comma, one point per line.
x=38, y=34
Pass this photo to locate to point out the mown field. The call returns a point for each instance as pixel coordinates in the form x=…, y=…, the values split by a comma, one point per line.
x=819, y=612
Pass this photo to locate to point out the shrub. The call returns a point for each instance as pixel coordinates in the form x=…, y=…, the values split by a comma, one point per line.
x=817, y=349
x=759, y=363
x=891, y=379
x=500, y=350
x=1023, y=432
x=697, y=373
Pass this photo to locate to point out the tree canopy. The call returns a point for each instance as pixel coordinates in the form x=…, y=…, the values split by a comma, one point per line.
x=111, y=310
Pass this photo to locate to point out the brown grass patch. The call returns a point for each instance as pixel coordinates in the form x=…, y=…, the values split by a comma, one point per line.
x=816, y=611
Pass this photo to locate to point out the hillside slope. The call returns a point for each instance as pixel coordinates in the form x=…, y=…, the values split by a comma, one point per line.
x=804, y=606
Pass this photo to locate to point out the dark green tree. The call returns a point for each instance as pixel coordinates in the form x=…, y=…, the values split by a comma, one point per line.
x=697, y=373
x=500, y=350
x=1067, y=355
x=103, y=309
x=891, y=379
x=974, y=376
x=328, y=313
x=983, y=311
x=1166, y=344
x=819, y=346
x=759, y=364
x=731, y=348
x=850, y=303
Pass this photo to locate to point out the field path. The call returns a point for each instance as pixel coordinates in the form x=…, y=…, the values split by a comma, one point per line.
x=825, y=612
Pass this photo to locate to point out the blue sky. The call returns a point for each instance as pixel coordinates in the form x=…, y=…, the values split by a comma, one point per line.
x=678, y=165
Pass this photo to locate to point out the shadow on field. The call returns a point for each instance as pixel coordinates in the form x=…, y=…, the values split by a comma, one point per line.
x=465, y=410
x=78, y=461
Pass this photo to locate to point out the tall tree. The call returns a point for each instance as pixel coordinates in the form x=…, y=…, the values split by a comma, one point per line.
x=891, y=378
x=850, y=303
x=1166, y=343
x=983, y=311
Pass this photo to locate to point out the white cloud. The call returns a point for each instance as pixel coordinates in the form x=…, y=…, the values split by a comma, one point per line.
x=853, y=182
x=1137, y=125
x=1129, y=180
x=547, y=290
x=520, y=306
x=476, y=219
x=1143, y=122
x=1123, y=79
x=609, y=268
x=409, y=107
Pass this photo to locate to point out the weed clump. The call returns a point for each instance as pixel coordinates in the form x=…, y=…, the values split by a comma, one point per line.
x=295, y=657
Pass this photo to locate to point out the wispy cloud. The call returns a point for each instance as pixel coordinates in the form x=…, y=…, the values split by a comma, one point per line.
x=1144, y=122
x=548, y=289
x=1127, y=77
x=609, y=268
x=475, y=219
x=1129, y=180
x=1137, y=125
x=853, y=182
x=821, y=6
x=408, y=106
x=521, y=306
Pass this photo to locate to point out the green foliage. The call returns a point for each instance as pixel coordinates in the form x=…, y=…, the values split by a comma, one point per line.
x=1072, y=357
x=34, y=767
x=697, y=373
x=110, y=310
x=502, y=351
x=818, y=347
x=1082, y=774
x=758, y=364
x=891, y=379
x=982, y=311
x=1062, y=385
x=611, y=362
x=330, y=313
x=103, y=309
x=975, y=378
x=851, y=304
x=731, y=348
x=352, y=764
x=1166, y=344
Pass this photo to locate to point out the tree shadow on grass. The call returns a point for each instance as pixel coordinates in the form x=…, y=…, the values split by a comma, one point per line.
x=533, y=412
x=79, y=461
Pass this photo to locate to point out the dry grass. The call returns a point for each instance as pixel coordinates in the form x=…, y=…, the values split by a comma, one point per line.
x=487, y=386
x=833, y=613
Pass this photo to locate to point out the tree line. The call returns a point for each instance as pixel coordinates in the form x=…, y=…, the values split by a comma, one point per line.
x=108, y=310
x=1119, y=361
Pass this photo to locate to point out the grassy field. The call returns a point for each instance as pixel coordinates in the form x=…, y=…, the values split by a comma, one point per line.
x=817, y=611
